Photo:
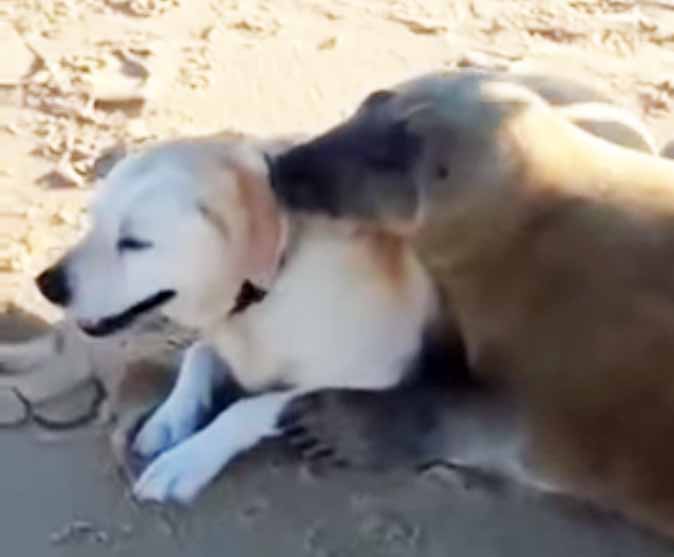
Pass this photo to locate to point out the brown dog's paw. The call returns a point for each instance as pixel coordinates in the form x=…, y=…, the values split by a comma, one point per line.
x=365, y=429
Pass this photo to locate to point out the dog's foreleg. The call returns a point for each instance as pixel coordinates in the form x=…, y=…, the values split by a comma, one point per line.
x=202, y=377
x=181, y=473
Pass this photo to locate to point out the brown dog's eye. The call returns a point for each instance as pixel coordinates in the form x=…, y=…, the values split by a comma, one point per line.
x=442, y=172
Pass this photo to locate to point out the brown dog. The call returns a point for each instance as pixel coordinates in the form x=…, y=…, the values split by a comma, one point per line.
x=553, y=248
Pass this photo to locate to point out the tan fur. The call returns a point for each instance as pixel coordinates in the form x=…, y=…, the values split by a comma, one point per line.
x=561, y=282
x=553, y=248
x=266, y=228
x=389, y=254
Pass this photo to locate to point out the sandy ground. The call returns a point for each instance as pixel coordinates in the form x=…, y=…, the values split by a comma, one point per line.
x=79, y=76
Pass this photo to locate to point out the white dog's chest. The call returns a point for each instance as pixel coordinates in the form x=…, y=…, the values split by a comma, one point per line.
x=331, y=319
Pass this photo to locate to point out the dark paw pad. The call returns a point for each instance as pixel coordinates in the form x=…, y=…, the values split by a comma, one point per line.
x=353, y=428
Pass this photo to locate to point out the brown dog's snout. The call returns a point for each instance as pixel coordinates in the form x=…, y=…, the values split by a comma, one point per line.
x=53, y=284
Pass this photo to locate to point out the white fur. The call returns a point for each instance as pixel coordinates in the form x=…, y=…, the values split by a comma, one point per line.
x=180, y=473
x=329, y=321
x=178, y=416
x=320, y=326
x=335, y=316
x=154, y=196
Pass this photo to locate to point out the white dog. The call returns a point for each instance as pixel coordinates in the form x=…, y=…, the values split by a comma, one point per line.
x=191, y=228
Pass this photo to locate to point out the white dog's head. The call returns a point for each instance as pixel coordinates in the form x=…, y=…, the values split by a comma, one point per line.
x=181, y=226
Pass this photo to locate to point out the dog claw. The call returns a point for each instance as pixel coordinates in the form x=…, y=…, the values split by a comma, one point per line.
x=365, y=429
x=319, y=452
x=294, y=432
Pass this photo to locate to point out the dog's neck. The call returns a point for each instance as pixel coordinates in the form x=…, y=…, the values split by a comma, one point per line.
x=297, y=226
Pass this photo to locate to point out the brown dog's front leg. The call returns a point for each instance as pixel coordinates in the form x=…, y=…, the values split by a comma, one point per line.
x=407, y=425
x=365, y=429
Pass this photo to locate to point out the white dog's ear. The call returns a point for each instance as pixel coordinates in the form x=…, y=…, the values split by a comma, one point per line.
x=266, y=227
x=245, y=210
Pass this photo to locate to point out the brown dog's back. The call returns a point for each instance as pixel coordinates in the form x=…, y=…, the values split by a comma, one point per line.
x=572, y=306
x=554, y=249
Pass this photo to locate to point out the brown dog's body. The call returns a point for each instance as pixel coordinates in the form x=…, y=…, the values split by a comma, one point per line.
x=554, y=249
x=570, y=301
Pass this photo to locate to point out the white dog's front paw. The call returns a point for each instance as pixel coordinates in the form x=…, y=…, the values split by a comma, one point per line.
x=171, y=423
x=178, y=475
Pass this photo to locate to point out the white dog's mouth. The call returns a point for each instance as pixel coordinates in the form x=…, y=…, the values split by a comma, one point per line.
x=114, y=323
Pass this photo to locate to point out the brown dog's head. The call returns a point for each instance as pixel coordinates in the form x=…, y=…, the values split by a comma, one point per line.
x=437, y=135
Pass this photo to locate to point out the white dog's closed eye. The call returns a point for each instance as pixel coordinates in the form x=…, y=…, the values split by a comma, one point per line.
x=129, y=243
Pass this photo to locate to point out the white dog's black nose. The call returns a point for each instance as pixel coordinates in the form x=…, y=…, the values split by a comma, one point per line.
x=53, y=283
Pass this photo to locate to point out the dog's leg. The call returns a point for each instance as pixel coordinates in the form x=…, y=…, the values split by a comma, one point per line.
x=181, y=473
x=399, y=426
x=414, y=427
x=367, y=429
x=441, y=412
x=202, y=378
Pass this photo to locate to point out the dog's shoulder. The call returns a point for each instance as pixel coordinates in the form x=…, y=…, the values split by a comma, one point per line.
x=340, y=291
